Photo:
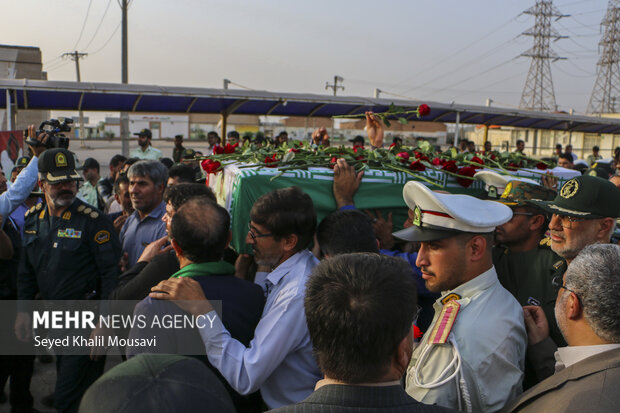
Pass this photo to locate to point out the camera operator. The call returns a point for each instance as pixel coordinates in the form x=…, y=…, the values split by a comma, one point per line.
x=70, y=252
x=27, y=178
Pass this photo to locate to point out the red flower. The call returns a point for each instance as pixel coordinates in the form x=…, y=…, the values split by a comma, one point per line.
x=356, y=147
x=466, y=171
x=404, y=156
x=229, y=148
x=218, y=150
x=270, y=160
x=477, y=160
x=359, y=158
x=450, y=166
x=513, y=166
x=332, y=162
x=210, y=166
x=437, y=162
x=423, y=110
x=417, y=166
x=293, y=150
x=493, y=156
x=417, y=333
x=392, y=145
x=541, y=165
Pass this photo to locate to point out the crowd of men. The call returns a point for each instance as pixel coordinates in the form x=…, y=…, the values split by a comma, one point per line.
x=510, y=302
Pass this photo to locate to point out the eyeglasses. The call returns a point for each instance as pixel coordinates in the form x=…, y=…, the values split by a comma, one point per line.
x=258, y=234
x=558, y=282
x=566, y=221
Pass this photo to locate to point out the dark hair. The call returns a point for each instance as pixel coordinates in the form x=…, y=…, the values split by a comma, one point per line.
x=130, y=161
x=569, y=146
x=167, y=162
x=117, y=159
x=122, y=179
x=596, y=148
x=284, y=212
x=558, y=146
x=566, y=156
x=343, y=232
x=200, y=227
x=520, y=141
x=213, y=133
x=179, y=194
x=233, y=134
x=359, y=307
x=184, y=172
x=154, y=170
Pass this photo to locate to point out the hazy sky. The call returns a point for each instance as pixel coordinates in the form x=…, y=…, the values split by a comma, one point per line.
x=440, y=50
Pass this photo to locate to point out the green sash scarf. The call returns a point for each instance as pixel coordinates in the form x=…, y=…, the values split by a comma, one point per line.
x=205, y=268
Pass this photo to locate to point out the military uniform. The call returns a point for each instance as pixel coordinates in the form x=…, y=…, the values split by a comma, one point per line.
x=73, y=256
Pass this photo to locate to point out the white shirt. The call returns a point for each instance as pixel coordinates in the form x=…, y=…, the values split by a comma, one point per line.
x=567, y=356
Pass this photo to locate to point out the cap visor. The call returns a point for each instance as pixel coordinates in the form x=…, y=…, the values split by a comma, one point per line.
x=423, y=234
x=62, y=177
x=552, y=208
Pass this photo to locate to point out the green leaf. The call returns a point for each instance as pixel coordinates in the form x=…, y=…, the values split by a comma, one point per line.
x=289, y=156
x=386, y=122
x=453, y=152
x=392, y=107
x=403, y=120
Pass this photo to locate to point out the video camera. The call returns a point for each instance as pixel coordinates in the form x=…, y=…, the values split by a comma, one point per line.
x=54, y=129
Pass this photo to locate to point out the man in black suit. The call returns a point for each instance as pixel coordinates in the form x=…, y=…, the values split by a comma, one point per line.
x=360, y=309
x=199, y=234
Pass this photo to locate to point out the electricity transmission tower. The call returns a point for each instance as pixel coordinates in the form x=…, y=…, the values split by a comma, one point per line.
x=538, y=91
x=607, y=86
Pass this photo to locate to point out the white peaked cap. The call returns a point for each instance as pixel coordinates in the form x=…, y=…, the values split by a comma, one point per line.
x=438, y=215
x=491, y=178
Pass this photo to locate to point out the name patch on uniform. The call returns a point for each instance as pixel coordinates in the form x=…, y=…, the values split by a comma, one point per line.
x=69, y=233
x=444, y=323
x=102, y=237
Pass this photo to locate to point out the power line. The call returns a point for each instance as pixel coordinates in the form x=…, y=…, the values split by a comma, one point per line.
x=460, y=50
x=107, y=41
x=83, y=25
x=99, y=25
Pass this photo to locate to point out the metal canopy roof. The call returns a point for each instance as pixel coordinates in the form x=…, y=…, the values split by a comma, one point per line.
x=74, y=96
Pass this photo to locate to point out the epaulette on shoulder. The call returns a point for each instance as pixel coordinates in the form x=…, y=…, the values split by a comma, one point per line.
x=34, y=209
x=558, y=264
x=545, y=242
x=88, y=211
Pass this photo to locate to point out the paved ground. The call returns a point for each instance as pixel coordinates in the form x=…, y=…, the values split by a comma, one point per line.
x=43, y=381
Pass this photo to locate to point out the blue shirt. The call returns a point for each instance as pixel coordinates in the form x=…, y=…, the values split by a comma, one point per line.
x=20, y=189
x=136, y=234
x=279, y=358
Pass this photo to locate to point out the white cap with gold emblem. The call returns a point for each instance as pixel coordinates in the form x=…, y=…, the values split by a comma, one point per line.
x=495, y=184
x=438, y=215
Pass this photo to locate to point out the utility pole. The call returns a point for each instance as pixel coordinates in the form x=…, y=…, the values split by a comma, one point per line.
x=335, y=85
x=124, y=80
x=538, y=91
x=607, y=85
x=76, y=56
x=377, y=92
x=226, y=82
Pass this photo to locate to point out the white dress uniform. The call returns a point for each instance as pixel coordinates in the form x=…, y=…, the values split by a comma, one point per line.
x=490, y=336
x=472, y=356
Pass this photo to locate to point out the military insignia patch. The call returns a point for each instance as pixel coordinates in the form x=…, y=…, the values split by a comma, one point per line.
x=61, y=160
x=94, y=214
x=558, y=264
x=592, y=173
x=69, y=233
x=417, y=217
x=492, y=193
x=533, y=301
x=30, y=231
x=66, y=215
x=87, y=211
x=545, y=242
x=507, y=190
x=81, y=208
x=102, y=237
x=443, y=326
x=450, y=297
x=42, y=214
x=569, y=189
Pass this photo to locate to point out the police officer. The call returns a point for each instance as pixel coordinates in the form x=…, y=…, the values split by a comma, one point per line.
x=471, y=358
x=71, y=251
